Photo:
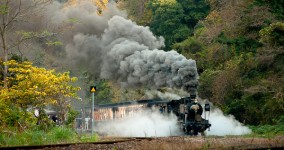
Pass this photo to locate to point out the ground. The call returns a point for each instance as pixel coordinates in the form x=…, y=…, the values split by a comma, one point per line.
x=186, y=143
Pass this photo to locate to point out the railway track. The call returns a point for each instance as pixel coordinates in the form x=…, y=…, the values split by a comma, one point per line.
x=106, y=140
x=168, y=143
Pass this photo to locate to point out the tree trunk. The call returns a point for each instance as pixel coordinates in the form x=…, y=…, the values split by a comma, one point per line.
x=4, y=46
x=5, y=68
x=3, y=30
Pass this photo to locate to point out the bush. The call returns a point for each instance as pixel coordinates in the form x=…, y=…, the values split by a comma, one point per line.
x=37, y=136
x=72, y=114
x=270, y=130
x=61, y=134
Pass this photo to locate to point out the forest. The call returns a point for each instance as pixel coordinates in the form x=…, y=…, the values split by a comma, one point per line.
x=237, y=45
x=45, y=53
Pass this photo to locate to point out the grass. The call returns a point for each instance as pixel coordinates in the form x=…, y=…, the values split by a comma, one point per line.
x=55, y=135
x=87, y=138
x=268, y=130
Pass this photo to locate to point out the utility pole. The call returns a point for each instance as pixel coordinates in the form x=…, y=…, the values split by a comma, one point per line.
x=93, y=90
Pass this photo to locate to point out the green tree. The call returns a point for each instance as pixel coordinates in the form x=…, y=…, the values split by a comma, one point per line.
x=273, y=34
x=167, y=22
x=194, y=11
x=175, y=20
x=104, y=93
x=277, y=7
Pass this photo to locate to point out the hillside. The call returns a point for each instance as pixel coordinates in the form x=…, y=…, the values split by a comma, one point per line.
x=238, y=46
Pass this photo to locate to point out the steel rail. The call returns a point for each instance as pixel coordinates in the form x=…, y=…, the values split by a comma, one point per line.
x=120, y=140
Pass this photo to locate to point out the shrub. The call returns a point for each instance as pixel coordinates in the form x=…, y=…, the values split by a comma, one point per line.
x=37, y=136
x=61, y=134
x=270, y=130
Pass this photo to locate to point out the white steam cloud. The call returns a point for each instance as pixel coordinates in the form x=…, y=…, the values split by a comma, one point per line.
x=147, y=123
x=152, y=123
x=225, y=125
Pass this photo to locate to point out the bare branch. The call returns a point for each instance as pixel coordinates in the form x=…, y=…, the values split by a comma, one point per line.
x=3, y=18
x=13, y=18
x=20, y=42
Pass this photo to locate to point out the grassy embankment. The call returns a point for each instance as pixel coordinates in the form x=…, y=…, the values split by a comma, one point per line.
x=55, y=135
x=267, y=130
x=59, y=135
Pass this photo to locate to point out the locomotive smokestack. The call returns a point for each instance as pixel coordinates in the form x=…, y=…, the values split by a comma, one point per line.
x=192, y=95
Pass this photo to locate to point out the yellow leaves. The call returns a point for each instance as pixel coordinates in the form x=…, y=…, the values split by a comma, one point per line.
x=4, y=95
x=53, y=101
x=167, y=2
x=271, y=27
x=35, y=85
x=271, y=34
x=74, y=79
x=101, y=4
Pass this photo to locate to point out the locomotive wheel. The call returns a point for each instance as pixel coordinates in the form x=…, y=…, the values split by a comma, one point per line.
x=195, y=132
x=189, y=130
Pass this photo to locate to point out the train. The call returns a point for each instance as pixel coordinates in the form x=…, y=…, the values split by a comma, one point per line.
x=188, y=111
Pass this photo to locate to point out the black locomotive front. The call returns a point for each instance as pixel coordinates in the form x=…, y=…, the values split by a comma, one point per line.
x=193, y=122
x=189, y=112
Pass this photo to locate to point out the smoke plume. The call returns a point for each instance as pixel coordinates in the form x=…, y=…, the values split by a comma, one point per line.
x=109, y=45
x=115, y=48
x=166, y=94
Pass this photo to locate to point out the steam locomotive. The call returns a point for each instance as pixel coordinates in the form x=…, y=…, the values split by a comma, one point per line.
x=188, y=111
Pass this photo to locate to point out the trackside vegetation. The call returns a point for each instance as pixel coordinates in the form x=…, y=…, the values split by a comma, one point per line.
x=29, y=88
x=37, y=136
x=269, y=130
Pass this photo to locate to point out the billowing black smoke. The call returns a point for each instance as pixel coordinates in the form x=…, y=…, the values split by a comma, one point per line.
x=133, y=58
x=115, y=48
x=130, y=54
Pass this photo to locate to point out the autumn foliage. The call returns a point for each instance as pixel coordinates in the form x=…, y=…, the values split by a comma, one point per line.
x=33, y=87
